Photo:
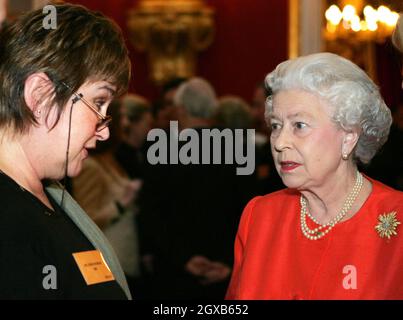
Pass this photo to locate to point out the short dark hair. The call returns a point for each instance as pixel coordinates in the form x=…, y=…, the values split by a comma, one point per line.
x=172, y=84
x=85, y=46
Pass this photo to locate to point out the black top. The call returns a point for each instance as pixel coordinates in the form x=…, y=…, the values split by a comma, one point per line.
x=32, y=237
x=132, y=159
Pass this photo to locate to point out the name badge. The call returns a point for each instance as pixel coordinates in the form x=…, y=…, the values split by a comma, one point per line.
x=93, y=267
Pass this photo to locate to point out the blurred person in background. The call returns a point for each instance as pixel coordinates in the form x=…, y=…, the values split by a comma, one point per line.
x=164, y=109
x=131, y=152
x=189, y=212
x=233, y=112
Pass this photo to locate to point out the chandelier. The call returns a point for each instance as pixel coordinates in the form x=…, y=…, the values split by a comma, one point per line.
x=361, y=23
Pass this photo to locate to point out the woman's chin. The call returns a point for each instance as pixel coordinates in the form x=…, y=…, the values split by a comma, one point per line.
x=75, y=170
x=291, y=182
x=76, y=164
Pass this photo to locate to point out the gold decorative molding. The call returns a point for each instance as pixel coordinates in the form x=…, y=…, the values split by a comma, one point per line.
x=171, y=32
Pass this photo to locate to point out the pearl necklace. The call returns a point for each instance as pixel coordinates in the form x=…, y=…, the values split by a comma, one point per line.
x=322, y=230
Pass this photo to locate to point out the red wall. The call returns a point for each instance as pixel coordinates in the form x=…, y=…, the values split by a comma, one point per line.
x=250, y=40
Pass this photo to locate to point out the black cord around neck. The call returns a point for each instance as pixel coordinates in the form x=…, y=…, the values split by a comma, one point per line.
x=67, y=153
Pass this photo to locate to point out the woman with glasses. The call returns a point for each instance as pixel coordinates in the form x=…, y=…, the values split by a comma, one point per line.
x=56, y=88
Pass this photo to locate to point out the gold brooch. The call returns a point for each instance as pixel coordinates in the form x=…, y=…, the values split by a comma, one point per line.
x=387, y=225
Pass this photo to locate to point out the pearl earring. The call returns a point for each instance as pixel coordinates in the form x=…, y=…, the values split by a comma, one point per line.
x=345, y=156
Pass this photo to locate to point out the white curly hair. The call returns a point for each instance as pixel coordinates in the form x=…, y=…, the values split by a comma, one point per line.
x=356, y=100
x=198, y=97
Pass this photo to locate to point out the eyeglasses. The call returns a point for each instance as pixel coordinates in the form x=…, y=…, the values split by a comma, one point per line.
x=103, y=121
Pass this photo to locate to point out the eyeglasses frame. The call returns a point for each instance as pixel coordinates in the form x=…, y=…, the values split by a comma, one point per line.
x=104, y=120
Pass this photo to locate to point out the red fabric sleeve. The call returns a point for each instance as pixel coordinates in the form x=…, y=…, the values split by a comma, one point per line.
x=240, y=240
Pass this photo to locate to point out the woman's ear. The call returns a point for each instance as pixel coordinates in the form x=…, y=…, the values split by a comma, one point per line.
x=349, y=142
x=37, y=91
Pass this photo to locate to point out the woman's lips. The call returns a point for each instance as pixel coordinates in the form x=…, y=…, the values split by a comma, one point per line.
x=289, y=165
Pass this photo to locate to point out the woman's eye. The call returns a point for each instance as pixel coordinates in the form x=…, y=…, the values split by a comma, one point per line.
x=300, y=125
x=274, y=126
x=99, y=104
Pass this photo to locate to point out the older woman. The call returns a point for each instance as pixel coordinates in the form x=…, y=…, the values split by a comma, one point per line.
x=56, y=88
x=333, y=233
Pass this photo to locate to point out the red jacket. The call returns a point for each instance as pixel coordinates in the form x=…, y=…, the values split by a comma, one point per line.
x=274, y=260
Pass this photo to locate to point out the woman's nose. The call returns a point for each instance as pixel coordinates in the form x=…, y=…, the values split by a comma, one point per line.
x=282, y=141
x=103, y=134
